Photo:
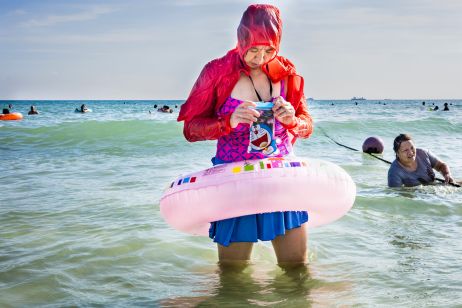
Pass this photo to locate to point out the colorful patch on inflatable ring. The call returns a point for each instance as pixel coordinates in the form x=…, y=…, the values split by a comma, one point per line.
x=241, y=188
x=11, y=116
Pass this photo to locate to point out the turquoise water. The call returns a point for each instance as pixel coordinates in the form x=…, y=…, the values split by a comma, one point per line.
x=80, y=223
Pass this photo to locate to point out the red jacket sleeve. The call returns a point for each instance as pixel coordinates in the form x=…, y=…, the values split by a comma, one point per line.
x=303, y=126
x=206, y=128
x=198, y=112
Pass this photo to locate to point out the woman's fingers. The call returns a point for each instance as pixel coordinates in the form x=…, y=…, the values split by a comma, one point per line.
x=247, y=111
x=283, y=109
x=247, y=104
x=249, y=108
x=244, y=113
x=247, y=117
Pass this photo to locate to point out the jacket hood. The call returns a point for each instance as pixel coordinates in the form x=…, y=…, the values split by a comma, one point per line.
x=261, y=24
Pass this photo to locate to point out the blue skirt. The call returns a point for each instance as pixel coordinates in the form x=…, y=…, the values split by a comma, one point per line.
x=251, y=228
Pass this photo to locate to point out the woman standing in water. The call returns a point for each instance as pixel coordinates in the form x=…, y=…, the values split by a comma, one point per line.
x=221, y=107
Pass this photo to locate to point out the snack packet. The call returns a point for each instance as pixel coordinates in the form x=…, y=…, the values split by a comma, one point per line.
x=262, y=138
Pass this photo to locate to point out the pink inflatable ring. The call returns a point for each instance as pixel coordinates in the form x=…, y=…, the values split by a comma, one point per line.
x=241, y=188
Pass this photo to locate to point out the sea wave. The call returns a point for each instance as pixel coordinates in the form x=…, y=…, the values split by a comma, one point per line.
x=92, y=135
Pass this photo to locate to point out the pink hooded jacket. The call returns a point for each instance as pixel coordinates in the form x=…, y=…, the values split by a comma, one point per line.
x=260, y=25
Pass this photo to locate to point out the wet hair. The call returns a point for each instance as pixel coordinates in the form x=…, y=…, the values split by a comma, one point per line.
x=400, y=139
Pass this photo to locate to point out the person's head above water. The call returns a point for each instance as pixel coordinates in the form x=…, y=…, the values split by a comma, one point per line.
x=404, y=147
x=259, y=34
x=33, y=110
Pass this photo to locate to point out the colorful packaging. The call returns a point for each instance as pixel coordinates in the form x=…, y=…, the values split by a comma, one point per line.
x=262, y=138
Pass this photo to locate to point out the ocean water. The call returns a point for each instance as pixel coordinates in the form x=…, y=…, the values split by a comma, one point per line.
x=80, y=221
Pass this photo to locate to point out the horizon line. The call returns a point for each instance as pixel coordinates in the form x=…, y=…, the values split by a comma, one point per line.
x=308, y=99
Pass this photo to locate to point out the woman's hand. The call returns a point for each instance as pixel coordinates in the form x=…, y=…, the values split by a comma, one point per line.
x=448, y=178
x=244, y=113
x=284, y=111
x=444, y=170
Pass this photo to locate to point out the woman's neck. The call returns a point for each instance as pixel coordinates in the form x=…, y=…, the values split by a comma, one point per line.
x=256, y=72
x=411, y=166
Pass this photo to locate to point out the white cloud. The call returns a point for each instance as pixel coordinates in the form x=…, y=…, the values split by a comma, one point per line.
x=51, y=20
x=125, y=36
x=17, y=12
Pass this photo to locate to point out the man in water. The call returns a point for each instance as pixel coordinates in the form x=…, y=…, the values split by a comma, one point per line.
x=33, y=110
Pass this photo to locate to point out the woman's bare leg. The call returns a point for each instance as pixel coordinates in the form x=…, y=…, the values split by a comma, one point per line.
x=292, y=246
x=237, y=251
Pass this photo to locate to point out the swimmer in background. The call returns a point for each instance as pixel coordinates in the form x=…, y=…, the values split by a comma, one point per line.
x=414, y=166
x=446, y=108
x=33, y=110
x=221, y=107
x=82, y=109
x=165, y=109
x=423, y=106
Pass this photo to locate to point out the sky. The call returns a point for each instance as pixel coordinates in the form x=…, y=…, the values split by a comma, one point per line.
x=147, y=49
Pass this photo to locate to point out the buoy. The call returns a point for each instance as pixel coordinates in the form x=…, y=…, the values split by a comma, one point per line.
x=373, y=145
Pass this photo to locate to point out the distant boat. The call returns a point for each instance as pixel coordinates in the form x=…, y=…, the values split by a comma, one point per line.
x=358, y=98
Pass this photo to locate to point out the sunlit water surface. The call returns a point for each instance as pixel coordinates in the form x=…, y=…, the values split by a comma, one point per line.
x=80, y=221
